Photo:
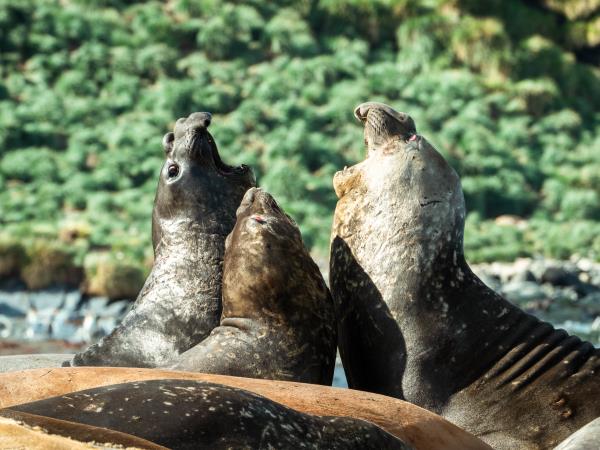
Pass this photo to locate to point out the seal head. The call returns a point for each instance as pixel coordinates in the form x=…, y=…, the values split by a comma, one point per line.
x=194, y=183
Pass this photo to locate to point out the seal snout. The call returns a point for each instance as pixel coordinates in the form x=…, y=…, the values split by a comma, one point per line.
x=198, y=121
x=383, y=123
x=258, y=202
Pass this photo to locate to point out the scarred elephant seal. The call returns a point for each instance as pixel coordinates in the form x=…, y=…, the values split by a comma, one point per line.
x=416, y=323
x=194, y=210
x=184, y=414
x=416, y=426
x=277, y=321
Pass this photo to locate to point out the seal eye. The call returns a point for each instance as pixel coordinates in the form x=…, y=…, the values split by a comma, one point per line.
x=173, y=170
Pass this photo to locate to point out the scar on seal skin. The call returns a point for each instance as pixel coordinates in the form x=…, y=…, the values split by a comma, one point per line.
x=278, y=320
x=185, y=414
x=194, y=210
x=414, y=322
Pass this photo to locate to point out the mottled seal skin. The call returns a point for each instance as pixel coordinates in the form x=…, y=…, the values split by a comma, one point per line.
x=194, y=210
x=416, y=426
x=184, y=414
x=278, y=320
x=416, y=323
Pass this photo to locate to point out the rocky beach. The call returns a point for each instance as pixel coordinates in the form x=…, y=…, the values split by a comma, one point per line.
x=60, y=320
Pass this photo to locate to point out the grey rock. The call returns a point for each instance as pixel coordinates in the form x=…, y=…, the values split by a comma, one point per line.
x=50, y=299
x=491, y=281
x=62, y=327
x=16, y=300
x=117, y=309
x=96, y=305
x=10, y=311
x=71, y=300
x=560, y=276
x=105, y=325
x=523, y=291
x=524, y=276
x=39, y=323
x=6, y=326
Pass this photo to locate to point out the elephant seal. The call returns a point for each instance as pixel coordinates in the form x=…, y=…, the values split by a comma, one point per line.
x=416, y=323
x=194, y=210
x=277, y=320
x=184, y=414
x=416, y=426
x=21, y=430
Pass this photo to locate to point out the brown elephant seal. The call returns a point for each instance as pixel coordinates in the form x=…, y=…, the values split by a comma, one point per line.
x=185, y=414
x=416, y=426
x=277, y=320
x=21, y=430
x=416, y=323
x=194, y=210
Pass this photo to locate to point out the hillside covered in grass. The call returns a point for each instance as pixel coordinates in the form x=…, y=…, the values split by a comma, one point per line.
x=507, y=90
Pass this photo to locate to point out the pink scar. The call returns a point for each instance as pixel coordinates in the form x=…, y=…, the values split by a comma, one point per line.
x=412, y=138
x=259, y=219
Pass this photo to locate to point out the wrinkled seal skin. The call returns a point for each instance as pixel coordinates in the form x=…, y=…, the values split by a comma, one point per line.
x=194, y=210
x=278, y=319
x=416, y=323
x=184, y=414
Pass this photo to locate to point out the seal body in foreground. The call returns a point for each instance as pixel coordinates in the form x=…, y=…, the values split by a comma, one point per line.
x=194, y=210
x=416, y=323
x=416, y=426
x=277, y=320
x=183, y=414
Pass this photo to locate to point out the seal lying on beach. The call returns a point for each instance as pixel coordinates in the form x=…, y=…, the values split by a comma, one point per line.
x=277, y=319
x=416, y=426
x=194, y=210
x=184, y=414
x=416, y=323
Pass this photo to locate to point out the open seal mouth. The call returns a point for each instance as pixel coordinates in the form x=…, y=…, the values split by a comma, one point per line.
x=191, y=136
x=220, y=166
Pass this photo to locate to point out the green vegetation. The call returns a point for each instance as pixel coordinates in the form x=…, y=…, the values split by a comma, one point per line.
x=508, y=90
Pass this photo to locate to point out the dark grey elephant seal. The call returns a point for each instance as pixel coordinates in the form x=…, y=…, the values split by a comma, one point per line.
x=278, y=319
x=185, y=414
x=194, y=210
x=416, y=323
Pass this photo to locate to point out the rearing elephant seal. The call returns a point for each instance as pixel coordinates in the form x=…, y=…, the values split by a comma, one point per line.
x=194, y=210
x=416, y=323
x=278, y=320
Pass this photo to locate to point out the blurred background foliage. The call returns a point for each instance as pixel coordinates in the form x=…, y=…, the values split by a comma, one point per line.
x=507, y=90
